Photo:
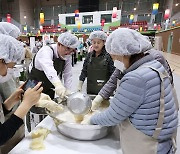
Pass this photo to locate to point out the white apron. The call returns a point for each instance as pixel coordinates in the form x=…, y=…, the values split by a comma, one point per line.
x=134, y=141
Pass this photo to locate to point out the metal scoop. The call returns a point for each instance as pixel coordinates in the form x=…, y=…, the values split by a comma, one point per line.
x=79, y=103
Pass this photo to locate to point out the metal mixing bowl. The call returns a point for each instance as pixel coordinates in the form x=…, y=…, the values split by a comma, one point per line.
x=80, y=131
x=83, y=132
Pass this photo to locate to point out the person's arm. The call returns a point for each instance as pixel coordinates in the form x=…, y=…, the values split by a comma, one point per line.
x=44, y=62
x=111, y=85
x=30, y=98
x=67, y=73
x=83, y=75
x=9, y=128
x=129, y=96
x=110, y=64
x=13, y=99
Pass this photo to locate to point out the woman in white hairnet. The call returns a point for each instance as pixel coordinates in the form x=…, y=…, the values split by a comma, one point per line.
x=10, y=52
x=8, y=84
x=52, y=64
x=9, y=29
x=144, y=104
x=98, y=65
x=115, y=78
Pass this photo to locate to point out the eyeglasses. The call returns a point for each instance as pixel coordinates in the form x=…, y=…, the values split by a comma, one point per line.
x=8, y=65
x=3, y=61
x=68, y=50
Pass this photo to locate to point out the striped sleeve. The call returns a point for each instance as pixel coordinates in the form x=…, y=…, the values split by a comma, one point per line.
x=111, y=84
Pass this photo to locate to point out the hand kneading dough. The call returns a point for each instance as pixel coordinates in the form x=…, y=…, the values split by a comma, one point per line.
x=67, y=116
x=87, y=117
x=46, y=102
x=78, y=118
x=38, y=136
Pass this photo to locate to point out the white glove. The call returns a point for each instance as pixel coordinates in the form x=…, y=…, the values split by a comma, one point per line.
x=96, y=102
x=80, y=84
x=46, y=102
x=60, y=89
x=87, y=119
x=44, y=97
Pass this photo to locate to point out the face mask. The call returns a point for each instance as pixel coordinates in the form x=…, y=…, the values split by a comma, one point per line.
x=8, y=76
x=119, y=65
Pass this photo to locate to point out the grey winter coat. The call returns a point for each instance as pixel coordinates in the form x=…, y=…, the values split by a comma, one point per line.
x=138, y=98
x=111, y=84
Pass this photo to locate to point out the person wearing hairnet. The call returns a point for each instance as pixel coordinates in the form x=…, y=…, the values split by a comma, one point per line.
x=144, y=104
x=9, y=29
x=11, y=129
x=36, y=48
x=51, y=64
x=8, y=85
x=98, y=65
x=54, y=60
x=115, y=78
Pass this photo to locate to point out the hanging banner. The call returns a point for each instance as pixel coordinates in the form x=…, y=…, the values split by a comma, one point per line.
x=41, y=18
x=155, y=8
x=140, y=29
x=8, y=17
x=25, y=28
x=76, y=15
x=173, y=22
x=41, y=29
x=102, y=22
x=167, y=14
x=78, y=25
x=114, y=13
x=131, y=19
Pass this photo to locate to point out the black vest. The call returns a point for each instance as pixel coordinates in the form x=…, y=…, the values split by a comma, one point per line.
x=97, y=74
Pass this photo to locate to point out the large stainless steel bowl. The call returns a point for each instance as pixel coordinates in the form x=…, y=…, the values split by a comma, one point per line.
x=82, y=132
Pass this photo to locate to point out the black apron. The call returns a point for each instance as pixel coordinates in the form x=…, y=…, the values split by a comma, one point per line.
x=37, y=114
x=38, y=75
x=97, y=74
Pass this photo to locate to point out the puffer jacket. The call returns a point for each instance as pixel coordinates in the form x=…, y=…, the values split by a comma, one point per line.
x=111, y=84
x=138, y=98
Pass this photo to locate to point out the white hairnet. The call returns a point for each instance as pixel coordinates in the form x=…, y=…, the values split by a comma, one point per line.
x=23, y=44
x=47, y=42
x=99, y=35
x=9, y=29
x=11, y=50
x=38, y=44
x=124, y=41
x=69, y=40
